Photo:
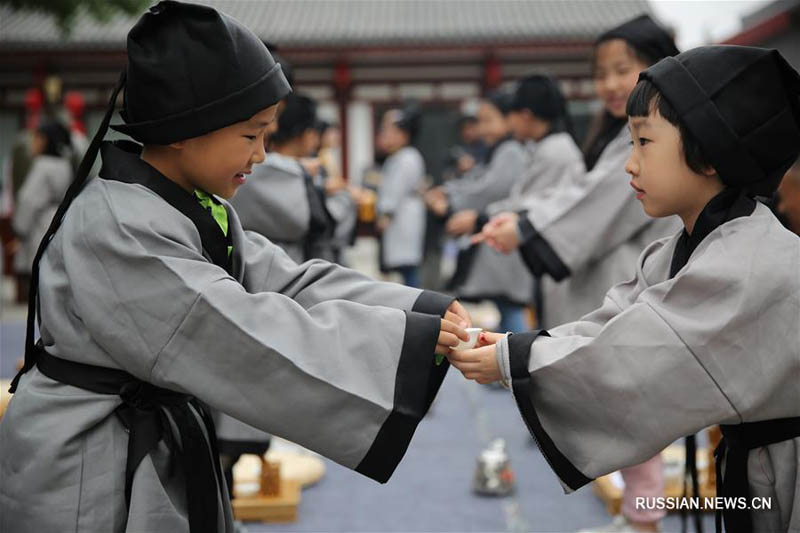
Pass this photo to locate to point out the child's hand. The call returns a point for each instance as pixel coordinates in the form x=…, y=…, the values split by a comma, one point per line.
x=449, y=335
x=487, y=338
x=479, y=364
x=501, y=232
x=462, y=223
x=457, y=309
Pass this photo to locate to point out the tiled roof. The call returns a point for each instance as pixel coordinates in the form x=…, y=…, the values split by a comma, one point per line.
x=359, y=23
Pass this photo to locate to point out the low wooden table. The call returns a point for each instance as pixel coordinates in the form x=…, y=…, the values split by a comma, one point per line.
x=281, y=508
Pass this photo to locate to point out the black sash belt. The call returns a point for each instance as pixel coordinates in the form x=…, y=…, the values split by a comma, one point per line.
x=734, y=448
x=146, y=411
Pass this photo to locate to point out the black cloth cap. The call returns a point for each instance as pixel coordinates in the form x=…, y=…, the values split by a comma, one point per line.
x=646, y=36
x=743, y=106
x=192, y=70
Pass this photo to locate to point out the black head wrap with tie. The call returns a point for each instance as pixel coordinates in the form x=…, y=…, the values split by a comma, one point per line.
x=742, y=104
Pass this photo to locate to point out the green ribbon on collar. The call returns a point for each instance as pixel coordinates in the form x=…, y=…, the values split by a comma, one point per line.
x=218, y=211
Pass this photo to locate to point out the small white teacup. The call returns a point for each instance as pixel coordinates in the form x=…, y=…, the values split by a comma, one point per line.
x=473, y=339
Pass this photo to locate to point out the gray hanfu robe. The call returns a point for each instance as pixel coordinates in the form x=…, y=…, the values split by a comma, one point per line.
x=719, y=343
x=482, y=273
x=273, y=202
x=315, y=353
x=492, y=182
x=36, y=203
x=402, y=177
x=345, y=214
x=588, y=232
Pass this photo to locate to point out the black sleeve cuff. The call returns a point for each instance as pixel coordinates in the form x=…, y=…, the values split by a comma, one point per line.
x=432, y=303
x=536, y=252
x=519, y=348
x=417, y=382
x=481, y=221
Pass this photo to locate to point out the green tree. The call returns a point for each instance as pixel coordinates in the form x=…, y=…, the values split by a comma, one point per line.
x=65, y=11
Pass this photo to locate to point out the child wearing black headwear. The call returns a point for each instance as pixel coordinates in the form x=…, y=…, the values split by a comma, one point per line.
x=707, y=331
x=40, y=194
x=155, y=306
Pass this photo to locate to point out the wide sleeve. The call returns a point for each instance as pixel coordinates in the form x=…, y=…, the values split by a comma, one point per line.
x=627, y=380
x=583, y=220
x=494, y=184
x=267, y=268
x=348, y=380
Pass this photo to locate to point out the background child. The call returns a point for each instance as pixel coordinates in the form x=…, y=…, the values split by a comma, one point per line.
x=401, y=212
x=280, y=199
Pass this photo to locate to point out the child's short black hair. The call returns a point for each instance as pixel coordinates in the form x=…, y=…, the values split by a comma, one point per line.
x=57, y=138
x=298, y=116
x=645, y=99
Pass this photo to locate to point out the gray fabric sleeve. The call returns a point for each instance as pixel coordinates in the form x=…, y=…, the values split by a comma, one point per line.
x=33, y=197
x=351, y=380
x=495, y=184
x=503, y=362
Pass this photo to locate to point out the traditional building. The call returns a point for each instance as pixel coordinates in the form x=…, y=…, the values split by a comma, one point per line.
x=775, y=25
x=356, y=57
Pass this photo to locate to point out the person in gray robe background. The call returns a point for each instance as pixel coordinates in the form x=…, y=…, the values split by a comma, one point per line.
x=281, y=200
x=587, y=232
x=482, y=273
x=154, y=304
x=45, y=184
x=707, y=331
x=400, y=209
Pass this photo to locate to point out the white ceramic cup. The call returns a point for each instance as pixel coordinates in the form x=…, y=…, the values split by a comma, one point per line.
x=473, y=339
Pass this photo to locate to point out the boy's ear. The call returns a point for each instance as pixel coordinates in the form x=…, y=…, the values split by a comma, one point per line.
x=710, y=171
x=178, y=145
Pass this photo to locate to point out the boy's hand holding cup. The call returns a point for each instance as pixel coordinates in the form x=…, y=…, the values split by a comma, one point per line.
x=455, y=331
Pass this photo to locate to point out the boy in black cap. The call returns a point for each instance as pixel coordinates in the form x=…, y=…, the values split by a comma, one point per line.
x=708, y=332
x=155, y=305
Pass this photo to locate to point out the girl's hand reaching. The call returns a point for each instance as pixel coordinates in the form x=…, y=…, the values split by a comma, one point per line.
x=487, y=338
x=479, y=364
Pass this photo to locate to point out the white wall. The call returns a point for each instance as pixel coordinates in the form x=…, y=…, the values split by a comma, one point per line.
x=360, y=139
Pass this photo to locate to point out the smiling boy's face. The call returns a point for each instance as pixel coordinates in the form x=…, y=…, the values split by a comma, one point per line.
x=660, y=177
x=218, y=162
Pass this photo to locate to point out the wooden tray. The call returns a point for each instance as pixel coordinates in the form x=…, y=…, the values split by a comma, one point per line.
x=279, y=509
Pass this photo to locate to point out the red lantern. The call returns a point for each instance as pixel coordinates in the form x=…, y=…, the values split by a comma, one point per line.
x=76, y=106
x=342, y=77
x=493, y=73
